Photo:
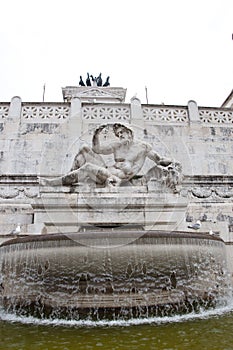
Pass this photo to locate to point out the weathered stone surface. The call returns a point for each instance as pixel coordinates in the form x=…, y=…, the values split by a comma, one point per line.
x=126, y=205
x=41, y=139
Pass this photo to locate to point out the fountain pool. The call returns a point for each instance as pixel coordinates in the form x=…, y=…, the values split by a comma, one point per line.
x=106, y=275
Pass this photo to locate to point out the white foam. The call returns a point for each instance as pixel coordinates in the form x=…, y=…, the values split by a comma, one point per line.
x=10, y=317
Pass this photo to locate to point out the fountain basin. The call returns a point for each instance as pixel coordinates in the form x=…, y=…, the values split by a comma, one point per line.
x=112, y=274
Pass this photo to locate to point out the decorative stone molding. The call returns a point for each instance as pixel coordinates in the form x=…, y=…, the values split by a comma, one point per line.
x=106, y=113
x=16, y=192
x=60, y=112
x=4, y=110
x=10, y=190
x=215, y=116
x=212, y=192
x=18, y=186
x=46, y=112
x=165, y=114
x=201, y=187
x=94, y=94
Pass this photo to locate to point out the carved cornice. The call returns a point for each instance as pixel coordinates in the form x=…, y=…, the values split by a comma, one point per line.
x=18, y=186
x=210, y=188
x=20, y=179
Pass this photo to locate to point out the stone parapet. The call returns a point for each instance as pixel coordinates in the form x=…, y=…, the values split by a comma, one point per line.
x=59, y=112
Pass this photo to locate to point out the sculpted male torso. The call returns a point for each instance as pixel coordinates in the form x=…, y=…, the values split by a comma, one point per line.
x=129, y=156
x=129, y=159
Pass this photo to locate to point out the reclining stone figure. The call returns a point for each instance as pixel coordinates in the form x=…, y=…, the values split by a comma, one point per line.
x=129, y=157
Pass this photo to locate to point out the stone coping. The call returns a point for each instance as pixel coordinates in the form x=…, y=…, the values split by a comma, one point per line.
x=109, y=234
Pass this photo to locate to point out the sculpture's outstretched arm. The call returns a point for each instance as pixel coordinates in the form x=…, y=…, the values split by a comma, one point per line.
x=163, y=161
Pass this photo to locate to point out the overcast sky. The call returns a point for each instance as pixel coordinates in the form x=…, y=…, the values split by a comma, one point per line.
x=178, y=49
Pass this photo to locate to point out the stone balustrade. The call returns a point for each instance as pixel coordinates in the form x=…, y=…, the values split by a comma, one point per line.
x=121, y=112
x=4, y=110
x=48, y=112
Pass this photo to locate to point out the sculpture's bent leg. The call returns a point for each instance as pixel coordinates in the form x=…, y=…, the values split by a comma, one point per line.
x=57, y=181
x=100, y=174
x=87, y=155
x=69, y=179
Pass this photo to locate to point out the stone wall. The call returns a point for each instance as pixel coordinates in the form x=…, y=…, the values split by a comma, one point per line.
x=41, y=139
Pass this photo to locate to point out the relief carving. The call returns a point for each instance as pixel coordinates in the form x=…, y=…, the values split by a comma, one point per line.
x=13, y=192
x=201, y=192
x=224, y=192
x=207, y=192
x=8, y=193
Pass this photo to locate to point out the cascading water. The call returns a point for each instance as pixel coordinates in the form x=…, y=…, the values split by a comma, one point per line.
x=112, y=275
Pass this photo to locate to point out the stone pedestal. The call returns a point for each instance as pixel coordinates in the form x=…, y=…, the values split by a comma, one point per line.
x=62, y=209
